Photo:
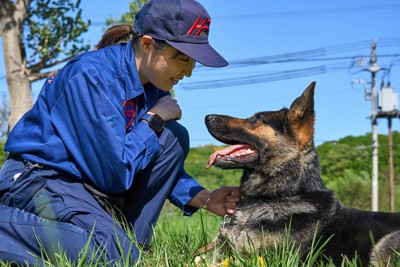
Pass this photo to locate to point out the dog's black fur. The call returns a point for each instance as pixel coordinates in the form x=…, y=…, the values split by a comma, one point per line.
x=281, y=186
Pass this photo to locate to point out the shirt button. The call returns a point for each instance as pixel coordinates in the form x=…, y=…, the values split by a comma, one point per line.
x=17, y=200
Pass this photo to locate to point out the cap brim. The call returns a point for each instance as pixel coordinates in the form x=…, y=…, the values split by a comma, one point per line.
x=202, y=53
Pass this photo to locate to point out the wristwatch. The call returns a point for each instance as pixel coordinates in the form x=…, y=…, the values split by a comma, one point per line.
x=155, y=122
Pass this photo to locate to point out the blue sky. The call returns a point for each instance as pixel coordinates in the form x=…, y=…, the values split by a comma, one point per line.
x=334, y=30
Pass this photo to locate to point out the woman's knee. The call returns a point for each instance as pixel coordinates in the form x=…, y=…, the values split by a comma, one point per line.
x=181, y=134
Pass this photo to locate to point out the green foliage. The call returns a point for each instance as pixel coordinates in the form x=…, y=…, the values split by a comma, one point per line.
x=213, y=177
x=54, y=28
x=3, y=154
x=347, y=153
x=353, y=188
x=127, y=18
x=346, y=169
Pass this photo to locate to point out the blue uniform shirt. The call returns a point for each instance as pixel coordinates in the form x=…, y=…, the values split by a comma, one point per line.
x=78, y=124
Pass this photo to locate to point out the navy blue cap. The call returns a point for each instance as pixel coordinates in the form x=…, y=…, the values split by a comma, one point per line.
x=184, y=24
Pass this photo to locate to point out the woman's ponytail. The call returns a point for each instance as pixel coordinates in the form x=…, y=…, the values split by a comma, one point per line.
x=117, y=34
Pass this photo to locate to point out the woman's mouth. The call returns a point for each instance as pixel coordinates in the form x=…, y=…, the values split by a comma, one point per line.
x=175, y=81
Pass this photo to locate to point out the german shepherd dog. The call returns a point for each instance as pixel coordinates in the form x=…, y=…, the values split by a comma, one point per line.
x=282, y=189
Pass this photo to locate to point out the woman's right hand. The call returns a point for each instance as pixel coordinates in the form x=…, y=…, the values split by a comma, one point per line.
x=167, y=108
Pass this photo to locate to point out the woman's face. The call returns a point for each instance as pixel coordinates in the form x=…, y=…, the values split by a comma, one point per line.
x=165, y=68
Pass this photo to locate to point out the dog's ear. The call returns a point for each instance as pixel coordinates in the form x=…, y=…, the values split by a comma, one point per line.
x=301, y=115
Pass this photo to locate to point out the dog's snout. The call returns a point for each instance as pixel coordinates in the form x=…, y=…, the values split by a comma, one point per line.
x=209, y=118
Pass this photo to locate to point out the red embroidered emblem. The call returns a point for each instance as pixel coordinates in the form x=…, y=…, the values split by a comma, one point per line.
x=129, y=112
x=203, y=26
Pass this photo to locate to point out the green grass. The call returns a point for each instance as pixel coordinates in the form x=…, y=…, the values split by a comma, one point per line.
x=177, y=238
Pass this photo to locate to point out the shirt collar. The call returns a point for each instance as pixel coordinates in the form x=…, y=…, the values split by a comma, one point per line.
x=133, y=83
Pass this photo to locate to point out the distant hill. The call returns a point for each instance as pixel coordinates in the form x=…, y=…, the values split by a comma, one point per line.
x=346, y=168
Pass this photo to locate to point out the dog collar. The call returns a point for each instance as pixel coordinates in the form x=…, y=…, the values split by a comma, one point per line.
x=227, y=219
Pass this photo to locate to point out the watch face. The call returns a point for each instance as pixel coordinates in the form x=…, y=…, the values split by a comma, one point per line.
x=156, y=123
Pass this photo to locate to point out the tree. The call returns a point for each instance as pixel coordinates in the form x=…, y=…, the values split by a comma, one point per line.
x=4, y=115
x=35, y=34
x=127, y=18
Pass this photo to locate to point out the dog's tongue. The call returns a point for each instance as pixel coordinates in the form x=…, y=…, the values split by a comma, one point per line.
x=227, y=151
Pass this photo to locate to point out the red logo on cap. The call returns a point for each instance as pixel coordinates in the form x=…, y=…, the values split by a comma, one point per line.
x=203, y=26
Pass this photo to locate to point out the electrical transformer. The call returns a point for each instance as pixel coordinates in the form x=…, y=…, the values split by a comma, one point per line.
x=388, y=100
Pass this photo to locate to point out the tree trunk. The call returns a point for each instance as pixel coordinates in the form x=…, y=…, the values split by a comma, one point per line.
x=19, y=86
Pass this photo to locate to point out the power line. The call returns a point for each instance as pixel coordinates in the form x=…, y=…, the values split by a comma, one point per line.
x=252, y=103
x=275, y=76
x=318, y=54
x=315, y=12
x=307, y=55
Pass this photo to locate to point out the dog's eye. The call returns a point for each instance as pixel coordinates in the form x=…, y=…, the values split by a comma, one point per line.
x=259, y=119
x=255, y=119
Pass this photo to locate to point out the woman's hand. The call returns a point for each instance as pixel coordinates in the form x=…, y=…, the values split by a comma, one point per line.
x=167, y=108
x=221, y=201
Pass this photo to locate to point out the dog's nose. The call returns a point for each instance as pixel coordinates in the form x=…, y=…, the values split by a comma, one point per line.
x=209, y=117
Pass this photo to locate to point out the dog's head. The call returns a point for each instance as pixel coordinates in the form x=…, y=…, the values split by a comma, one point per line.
x=272, y=142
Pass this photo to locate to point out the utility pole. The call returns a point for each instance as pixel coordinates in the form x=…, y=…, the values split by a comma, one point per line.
x=388, y=105
x=387, y=101
x=374, y=68
x=391, y=171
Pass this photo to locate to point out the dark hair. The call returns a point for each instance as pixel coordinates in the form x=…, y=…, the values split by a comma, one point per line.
x=124, y=33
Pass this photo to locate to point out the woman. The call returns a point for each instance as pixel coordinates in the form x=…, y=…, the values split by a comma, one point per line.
x=104, y=130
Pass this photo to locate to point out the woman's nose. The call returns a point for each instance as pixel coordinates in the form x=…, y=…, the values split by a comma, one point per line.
x=189, y=68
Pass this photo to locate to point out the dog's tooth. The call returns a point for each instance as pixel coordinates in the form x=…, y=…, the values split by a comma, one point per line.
x=250, y=151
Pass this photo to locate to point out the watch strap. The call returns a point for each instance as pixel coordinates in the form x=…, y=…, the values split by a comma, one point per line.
x=155, y=122
x=146, y=117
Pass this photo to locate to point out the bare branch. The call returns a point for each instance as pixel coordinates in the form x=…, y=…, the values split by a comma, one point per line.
x=22, y=8
x=4, y=6
x=7, y=8
x=38, y=76
x=43, y=65
x=35, y=75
